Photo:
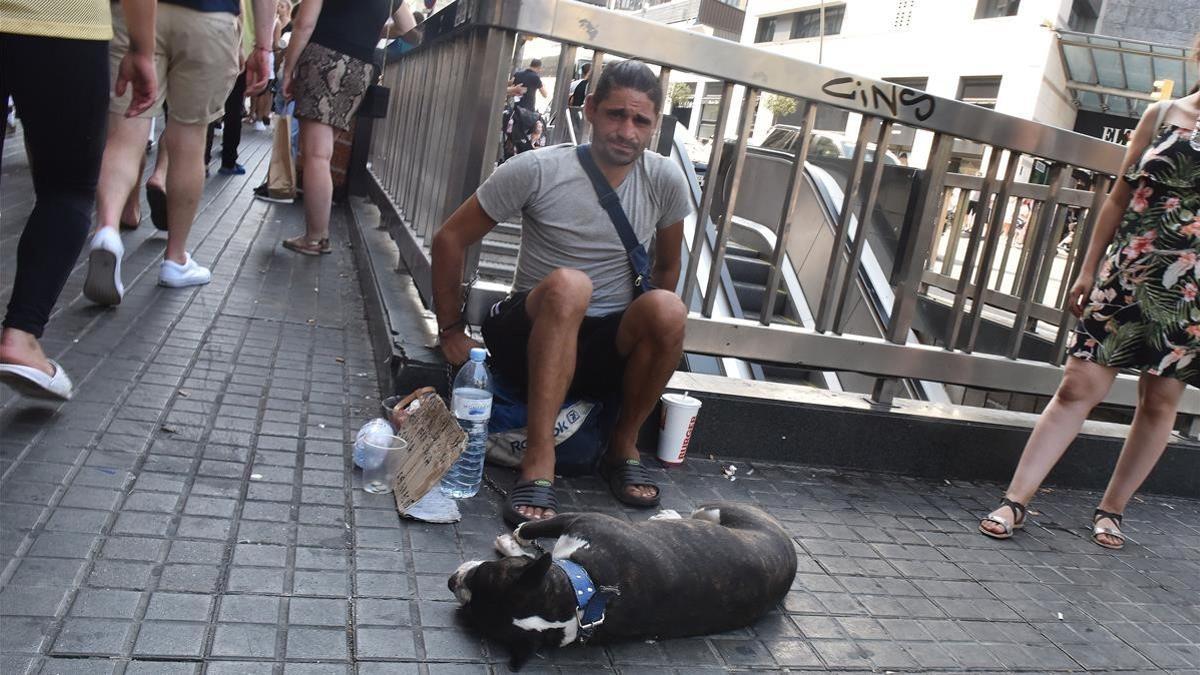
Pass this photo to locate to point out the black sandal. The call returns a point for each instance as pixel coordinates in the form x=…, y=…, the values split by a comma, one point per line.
x=630, y=472
x=537, y=493
x=1112, y=532
x=1018, y=522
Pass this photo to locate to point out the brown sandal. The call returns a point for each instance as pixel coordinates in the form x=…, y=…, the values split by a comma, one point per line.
x=308, y=246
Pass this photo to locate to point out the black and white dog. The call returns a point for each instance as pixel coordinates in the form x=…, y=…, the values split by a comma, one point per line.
x=608, y=580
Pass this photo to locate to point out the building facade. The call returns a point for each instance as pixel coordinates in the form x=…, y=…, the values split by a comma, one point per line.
x=1001, y=54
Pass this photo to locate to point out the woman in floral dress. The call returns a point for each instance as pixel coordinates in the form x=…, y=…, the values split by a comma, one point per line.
x=1139, y=309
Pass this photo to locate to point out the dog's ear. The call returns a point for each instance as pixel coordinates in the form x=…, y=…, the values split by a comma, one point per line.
x=532, y=576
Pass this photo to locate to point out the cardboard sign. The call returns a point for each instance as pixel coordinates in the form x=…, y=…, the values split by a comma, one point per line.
x=434, y=443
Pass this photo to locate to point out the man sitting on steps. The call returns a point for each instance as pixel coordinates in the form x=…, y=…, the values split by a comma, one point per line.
x=573, y=321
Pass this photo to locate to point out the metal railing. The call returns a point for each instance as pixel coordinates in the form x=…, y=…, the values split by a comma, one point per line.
x=958, y=244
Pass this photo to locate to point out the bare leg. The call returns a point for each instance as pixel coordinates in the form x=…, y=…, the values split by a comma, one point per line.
x=651, y=340
x=317, y=141
x=123, y=152
x=556, y=308
x=1084, y=385
x=132, y=213
x=162, y=162
x=185, y=182
x=1158, y=403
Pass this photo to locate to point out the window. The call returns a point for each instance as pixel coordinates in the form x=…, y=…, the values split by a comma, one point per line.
x=1084, y=14
x=991, y=9
x=766, y=29
x=710, y=107
x=980, y=91
x=916, y=83
x=808, y=24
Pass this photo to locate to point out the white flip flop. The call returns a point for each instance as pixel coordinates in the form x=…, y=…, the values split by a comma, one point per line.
x=34, y=383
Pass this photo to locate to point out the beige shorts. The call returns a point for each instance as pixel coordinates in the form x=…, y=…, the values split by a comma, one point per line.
x=195, y=56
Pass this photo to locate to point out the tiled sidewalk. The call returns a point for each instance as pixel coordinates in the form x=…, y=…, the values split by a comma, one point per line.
x=193, y=510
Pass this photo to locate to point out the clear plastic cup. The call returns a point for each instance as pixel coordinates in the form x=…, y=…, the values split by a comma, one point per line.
x=382, y=456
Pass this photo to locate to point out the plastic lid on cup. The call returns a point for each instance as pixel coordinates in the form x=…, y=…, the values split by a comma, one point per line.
x=478, y=354
x=681, y=400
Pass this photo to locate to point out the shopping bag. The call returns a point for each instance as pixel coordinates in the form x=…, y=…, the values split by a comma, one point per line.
x=281, y=174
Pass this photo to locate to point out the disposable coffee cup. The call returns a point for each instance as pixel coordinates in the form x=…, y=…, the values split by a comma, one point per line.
x=675, y=427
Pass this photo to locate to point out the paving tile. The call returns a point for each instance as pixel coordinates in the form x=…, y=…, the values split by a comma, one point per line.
x=384, y=643
x=249, y=609
x=170, y=638
x=31, y=601
x=179, y=606
x=244, y=641
x=92, y=636
x=110, y=604
x=317, y=612
x=317, y=643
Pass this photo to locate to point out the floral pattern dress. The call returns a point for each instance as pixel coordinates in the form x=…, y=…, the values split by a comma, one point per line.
x=1144, y=311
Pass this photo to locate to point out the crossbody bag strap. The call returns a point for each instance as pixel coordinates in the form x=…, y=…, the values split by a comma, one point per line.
x=638, y=258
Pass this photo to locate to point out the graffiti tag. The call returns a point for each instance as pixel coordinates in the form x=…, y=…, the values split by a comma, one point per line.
x=890, y=97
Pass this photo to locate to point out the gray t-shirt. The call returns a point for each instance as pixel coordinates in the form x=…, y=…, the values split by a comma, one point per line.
x=563, y=225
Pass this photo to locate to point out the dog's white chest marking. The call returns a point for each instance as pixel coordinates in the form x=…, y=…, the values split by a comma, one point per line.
x=711, y=515
x=569, y=627
x=566, y=545
x=667, y=514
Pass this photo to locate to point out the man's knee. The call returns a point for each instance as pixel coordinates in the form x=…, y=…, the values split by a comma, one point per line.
x=666, y=316
x=564, y=292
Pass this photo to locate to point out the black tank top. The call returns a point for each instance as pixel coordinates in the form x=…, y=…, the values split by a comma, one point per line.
x=352, y=27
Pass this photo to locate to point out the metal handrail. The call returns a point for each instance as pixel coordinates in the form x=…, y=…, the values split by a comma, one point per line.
x=454, y=85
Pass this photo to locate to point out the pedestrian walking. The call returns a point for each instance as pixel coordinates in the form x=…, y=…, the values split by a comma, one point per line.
x=64, y=133
x=196, y=54
x=1138, y=302
x=327, y=70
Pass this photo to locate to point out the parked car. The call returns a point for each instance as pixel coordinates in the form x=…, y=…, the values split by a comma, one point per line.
x=787, y=138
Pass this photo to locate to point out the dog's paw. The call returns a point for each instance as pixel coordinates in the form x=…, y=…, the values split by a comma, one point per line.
x=510, y=546
x=667, y=514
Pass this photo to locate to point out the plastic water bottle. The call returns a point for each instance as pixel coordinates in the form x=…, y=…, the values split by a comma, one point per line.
x=373, y=428
x=471, y=402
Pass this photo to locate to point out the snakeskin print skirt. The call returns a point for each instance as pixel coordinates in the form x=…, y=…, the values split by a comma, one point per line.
x=329, y=86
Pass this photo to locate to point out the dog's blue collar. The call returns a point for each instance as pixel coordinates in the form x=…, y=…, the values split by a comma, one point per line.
x=590, y=599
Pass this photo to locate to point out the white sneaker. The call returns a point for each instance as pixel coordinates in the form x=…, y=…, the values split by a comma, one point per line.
x=174, y=275
x=259, y=126
x=103, y=284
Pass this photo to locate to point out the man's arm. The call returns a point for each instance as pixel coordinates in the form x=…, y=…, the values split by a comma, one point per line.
x=668, y=243
x=466, y=226
x=258, y=67
x=137, y=66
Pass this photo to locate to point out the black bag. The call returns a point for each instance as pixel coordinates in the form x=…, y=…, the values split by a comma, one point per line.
x=522, y=130
x=375, y=102
x=639, y=259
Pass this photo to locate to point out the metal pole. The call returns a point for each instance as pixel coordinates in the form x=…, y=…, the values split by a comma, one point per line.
x=690, y=282
x=789, y=214
x=1045, y=229
x=726, y=225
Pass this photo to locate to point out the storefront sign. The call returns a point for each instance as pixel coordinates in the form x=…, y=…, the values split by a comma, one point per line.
x=1111, y=128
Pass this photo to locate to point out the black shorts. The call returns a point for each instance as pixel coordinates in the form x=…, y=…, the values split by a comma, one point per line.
x=599, y=368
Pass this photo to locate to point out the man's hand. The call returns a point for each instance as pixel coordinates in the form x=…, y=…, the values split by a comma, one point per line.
x=258, y=71
x=137, y=69
x=456, y=347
